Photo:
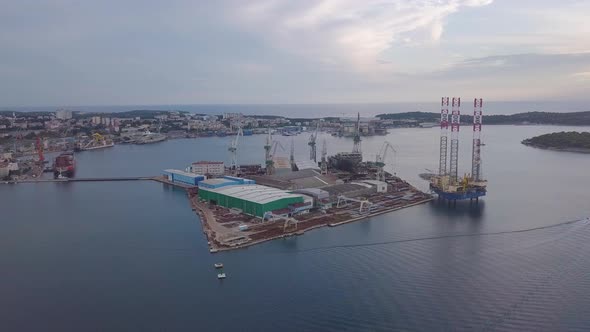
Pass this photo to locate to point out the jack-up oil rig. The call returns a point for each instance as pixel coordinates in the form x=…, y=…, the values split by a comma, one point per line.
x=448, y=185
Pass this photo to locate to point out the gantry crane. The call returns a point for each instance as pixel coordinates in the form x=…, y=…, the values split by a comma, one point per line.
x=381, y=156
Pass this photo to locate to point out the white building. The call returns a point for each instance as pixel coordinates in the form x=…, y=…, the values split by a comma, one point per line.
x=63, y=114
x=208, y=167
x=380, y=186
x=96, y=120
x=232, y=116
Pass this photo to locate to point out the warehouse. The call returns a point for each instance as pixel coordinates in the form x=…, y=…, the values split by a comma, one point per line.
x=174, y=175
x=252, y=199
x=208, y=167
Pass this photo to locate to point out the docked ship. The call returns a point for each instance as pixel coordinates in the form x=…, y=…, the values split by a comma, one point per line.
x=64, y=165
x=429, y=124
x=149, y=137
x=98, y=142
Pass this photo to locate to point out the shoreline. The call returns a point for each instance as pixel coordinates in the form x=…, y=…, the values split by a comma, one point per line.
x=214, y=246
x=574, y=150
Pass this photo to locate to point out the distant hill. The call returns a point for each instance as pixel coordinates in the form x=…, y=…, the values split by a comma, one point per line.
x=566, y=141
x=551, y=118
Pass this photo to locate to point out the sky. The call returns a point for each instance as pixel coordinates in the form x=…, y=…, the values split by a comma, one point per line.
x=66, y=52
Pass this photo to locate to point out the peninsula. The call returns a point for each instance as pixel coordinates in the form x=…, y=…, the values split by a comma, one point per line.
x=572, y=141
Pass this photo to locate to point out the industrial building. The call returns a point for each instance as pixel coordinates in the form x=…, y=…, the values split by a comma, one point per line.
x=306, y=164
x=208, y=167
x=380, y=186
x=253, y=199
x=183, y=177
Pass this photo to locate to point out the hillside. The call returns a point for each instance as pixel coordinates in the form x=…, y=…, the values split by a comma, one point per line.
x=550, y=118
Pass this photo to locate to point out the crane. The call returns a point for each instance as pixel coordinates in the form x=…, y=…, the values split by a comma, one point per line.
x=292, y=154
x=324, y=162
x=312, y=143
x=39, y=148
x=380, y=160
x=233, y=150
x=267, y=153
x=357, y=136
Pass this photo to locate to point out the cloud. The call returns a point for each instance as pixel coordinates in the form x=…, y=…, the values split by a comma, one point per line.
x=347, y=33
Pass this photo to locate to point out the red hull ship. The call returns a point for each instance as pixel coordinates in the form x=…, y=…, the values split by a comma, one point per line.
x=64, y=165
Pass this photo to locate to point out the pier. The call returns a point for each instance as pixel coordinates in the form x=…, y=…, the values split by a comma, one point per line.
x=67, y=180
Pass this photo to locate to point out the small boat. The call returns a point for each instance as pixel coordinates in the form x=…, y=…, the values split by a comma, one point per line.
x=213, y=250
x=221, y=275
x=218, y=265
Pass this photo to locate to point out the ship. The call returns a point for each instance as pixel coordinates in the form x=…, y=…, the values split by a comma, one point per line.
x=149, y=137
x=429, y=124
x=102, y=145
x=98, y=142
x=64, y=165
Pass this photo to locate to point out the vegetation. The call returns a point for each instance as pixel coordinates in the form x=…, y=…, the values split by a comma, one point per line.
x=572, y=140
x=571, y=118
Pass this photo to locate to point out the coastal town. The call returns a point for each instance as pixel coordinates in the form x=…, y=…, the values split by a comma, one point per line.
x=239, y=204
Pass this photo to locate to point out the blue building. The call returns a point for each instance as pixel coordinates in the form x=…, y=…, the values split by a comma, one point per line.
x=183, y=177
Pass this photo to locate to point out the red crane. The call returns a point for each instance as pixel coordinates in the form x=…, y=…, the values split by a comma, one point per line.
x=39, y=148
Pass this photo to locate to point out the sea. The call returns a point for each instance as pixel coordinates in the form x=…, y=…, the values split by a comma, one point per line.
x=131, y=256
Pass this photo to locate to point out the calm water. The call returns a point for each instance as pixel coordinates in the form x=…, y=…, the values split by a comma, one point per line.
x=131, y=256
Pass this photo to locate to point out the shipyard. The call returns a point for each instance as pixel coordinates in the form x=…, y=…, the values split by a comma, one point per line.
x=242, y=205
x=281, y=196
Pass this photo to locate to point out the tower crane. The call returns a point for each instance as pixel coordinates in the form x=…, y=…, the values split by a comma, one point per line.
x=292, y=154
x=312, y=144
x=267, y=153
x=324, y=162
x=380, y=161
x=233, y=150
x=357, y=136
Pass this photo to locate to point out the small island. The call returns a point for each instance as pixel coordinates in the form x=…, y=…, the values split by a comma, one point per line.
x=571, y=141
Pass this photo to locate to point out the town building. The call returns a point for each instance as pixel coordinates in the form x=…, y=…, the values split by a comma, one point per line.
x=63, y=114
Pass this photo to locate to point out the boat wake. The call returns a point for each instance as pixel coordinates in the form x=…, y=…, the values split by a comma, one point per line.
x=583, y=221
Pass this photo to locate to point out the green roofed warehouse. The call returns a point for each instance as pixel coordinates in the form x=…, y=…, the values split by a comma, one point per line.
x=252, y=199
